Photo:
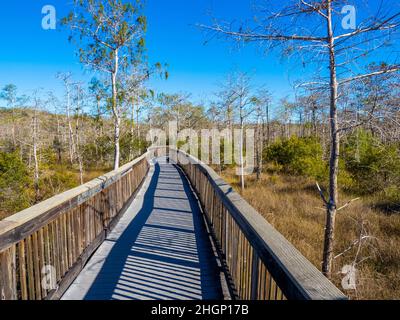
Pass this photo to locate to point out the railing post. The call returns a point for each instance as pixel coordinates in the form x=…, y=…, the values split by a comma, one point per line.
x=8, y=279
x=254, y=276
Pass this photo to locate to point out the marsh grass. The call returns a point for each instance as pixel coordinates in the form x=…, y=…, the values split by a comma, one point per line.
x=293, y=206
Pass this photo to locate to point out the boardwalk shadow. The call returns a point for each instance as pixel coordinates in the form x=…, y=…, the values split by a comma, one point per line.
x=164, y=252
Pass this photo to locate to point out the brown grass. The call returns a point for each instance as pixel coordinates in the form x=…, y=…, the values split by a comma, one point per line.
x=293, y=206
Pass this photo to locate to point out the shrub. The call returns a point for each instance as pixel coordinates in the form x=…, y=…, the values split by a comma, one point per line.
x=14, y=183
x=101, y=151
x=299, y=156
x=132, y=147
x=373, y=166
x=56, y=180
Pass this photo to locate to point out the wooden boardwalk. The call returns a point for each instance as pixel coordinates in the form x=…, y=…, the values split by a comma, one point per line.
x=160, y=249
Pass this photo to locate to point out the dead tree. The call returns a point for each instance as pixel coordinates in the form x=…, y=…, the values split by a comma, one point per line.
x=308, y=27
x=66, y=79
x=79, y=95
x=262, y=114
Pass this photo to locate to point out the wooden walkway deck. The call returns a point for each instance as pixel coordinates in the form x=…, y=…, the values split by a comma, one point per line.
x=160, y=249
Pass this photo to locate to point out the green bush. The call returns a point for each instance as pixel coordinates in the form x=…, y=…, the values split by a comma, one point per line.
x=14, y=183
x=98, y=153
x=299, y=156
x=374, y=166
x=132, y=147
x=56, y=180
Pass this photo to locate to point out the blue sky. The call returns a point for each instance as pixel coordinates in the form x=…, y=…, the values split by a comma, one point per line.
x=30, y=56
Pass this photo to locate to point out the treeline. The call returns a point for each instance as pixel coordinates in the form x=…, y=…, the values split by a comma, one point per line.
x=39, y=158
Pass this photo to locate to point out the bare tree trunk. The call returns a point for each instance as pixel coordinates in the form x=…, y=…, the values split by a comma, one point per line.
x=78, y=143
x=131, y=155
x=241, y=155
x=137, y=122
x=70, y=131
x=259, y=149
x=334, y=156
x=314, y=120
x=14, y=140
x=98, y=126
x=268, y=139
x=35, y=156
x=116, y=115
x=59, y=141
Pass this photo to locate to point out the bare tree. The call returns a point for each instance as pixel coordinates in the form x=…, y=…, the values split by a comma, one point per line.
x=38, y=105
x=55, y=104
x=66, y=79
x=308, y=27
x=243, y=102
x=79, y=96
x=262, y=103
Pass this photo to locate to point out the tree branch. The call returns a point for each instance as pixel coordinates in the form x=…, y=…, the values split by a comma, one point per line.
x=368, y=75
x=321, y=194
x=260, y=36
x=380, y=26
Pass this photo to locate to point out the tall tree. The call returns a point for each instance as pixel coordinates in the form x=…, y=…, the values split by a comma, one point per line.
x=309, y=27
x=38, y=105
x=9, y=94
x=110, y=36
x=67, y=81
x=262, y=101
x=79, y=98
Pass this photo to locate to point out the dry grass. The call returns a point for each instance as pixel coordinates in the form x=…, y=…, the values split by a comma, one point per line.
x=293, y=206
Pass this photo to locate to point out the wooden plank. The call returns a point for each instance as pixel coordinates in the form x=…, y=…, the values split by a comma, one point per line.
x=41, y=261
x=74, y=271
x=254, y=276
x=36, y=267
x=22, y=270
x=8, y=282
x=70, y=247
x=59, y=250
x=31, y=274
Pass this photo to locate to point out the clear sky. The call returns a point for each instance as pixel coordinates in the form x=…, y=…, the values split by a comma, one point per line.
x=30, y=56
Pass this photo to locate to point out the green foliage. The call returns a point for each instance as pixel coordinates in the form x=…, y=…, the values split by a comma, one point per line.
x=56, y=180
x=132, y=147
x=300, y=156
x=14, y=183
x=99, y=152
x=9, y=94
x=373, y=166
x=101, y=28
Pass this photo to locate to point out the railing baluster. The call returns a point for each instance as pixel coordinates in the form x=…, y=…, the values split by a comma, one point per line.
x=262, y=264
x=60, y=230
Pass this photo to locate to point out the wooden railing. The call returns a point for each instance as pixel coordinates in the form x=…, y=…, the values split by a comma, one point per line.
x=261, y=263
x=57, y=237
x=43, y=248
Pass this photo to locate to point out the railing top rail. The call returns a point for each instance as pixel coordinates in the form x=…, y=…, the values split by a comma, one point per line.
x=285, y=262
x=16, y=227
